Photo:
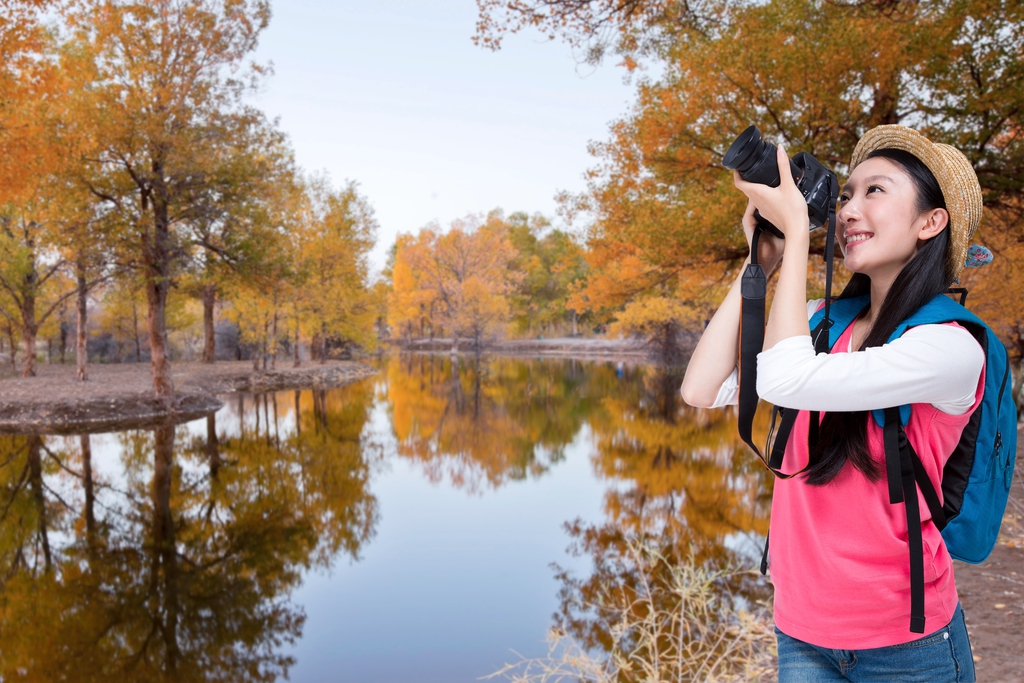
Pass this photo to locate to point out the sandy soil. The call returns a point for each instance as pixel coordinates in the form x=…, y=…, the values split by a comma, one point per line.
x=992, y=594
x=121, y=395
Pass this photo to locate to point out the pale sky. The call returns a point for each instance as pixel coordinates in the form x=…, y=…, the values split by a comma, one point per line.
x=394, y=94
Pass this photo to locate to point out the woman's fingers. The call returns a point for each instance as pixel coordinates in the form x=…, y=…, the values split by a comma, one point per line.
x=785, y=172
x=783, y=206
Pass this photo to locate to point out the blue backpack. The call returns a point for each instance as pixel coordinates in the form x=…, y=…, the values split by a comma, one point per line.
x=976, y=479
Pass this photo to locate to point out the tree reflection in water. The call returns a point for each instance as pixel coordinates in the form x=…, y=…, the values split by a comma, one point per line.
x=684, y=494
x=182, y=569
x=485, y=422
x=179, y=562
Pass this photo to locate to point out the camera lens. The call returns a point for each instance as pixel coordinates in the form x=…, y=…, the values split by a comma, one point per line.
x=754, y=158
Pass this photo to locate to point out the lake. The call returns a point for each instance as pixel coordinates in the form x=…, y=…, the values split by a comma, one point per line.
x=427, y=524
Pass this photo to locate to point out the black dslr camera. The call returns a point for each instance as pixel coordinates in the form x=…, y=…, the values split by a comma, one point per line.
x=754, y=158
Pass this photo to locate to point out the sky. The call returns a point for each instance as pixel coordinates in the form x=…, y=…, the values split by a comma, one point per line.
x=394, y=95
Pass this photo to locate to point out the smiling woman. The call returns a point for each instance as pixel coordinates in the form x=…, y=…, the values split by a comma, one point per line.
x=904, y=221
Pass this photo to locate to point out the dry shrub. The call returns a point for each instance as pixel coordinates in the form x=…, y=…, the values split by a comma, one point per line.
x=701, y=637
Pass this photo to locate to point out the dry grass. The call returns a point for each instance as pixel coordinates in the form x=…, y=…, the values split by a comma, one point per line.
x=700, y=639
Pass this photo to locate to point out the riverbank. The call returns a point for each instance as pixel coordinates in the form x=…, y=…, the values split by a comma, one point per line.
x=556, y=347
x=120, y=396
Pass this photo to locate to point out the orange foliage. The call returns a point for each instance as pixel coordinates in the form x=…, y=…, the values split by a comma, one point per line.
x=457, y=280
x=664, y=214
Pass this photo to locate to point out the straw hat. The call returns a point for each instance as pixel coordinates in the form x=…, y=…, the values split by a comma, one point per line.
x=956, y=177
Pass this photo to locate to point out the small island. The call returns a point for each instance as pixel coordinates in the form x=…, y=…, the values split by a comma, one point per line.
x=121, y=396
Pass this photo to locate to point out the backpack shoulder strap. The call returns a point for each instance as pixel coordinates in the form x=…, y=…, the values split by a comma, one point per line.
x=941, y=309
x=843, y=312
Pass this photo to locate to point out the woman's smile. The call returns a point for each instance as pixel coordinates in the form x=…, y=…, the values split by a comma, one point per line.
x=856, y=237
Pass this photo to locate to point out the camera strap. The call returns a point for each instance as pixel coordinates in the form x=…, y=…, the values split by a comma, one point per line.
x=820, y=334
x=753, y=293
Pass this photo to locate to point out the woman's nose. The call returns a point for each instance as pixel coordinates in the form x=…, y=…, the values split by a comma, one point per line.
x=848, y=211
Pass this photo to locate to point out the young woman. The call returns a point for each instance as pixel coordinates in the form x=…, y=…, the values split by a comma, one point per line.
x=838, y=552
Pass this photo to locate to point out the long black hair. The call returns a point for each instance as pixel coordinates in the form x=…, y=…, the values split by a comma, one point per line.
x=843, y=436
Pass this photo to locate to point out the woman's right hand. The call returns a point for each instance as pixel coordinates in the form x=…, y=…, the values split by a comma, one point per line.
x=769, y=247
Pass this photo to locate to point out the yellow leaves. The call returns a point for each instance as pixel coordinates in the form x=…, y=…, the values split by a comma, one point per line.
x=647, y=316
x=458, y=280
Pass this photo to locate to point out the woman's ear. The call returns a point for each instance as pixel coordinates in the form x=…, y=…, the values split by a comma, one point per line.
x=935, y=220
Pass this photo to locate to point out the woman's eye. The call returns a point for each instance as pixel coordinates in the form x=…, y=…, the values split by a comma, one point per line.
x=872, y=188
x=843, y=198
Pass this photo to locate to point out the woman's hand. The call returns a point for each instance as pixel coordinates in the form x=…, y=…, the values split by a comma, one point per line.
x=783, y=206
x=769, y=247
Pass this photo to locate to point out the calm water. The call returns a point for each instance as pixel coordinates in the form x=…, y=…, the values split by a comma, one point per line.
x=417, y=526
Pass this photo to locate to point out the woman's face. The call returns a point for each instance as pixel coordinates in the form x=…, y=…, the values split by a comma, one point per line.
x=879, y=226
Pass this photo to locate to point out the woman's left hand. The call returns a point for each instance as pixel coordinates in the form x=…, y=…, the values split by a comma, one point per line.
x=784, y=206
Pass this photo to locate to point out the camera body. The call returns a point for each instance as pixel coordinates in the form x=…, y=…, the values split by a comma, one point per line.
x=754, y=158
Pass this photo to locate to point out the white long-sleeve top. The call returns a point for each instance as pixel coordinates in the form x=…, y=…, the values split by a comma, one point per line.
x=936, y=364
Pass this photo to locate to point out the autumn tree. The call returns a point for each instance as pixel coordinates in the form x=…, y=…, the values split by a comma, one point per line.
x=661, y=214
x=166, y=101
x=333, y=242
x=409, y=303
x=550, y=264
x=27, y=77
x=122, y=315
x=30, y=274
x=240, y=235
x=466, y=273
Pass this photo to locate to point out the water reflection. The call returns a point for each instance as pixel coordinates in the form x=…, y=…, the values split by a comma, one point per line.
x=480, y=423
x=179, y=565
x=683, y=490
x=172, y=553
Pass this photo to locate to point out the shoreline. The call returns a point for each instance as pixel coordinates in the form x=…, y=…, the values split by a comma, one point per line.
x=120, y=396
x=555, y=347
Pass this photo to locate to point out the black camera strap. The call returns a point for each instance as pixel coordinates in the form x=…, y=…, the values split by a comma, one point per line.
x=753, y=292
x=822, y=333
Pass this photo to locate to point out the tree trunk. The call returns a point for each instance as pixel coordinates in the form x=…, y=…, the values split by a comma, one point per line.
x=265, y=349
x=323, y=344
x=135, y=327
x=35, y=466
x=14, y=348
x=213, y=447
x=63, y=338
x=158, y=281
x=273, y=341
x=90, y=496
x=256, y=356
x=297, y=359
x=314, y=347
x=28, y=339
x=210, y=338
x=81, y=341
x=164, y=583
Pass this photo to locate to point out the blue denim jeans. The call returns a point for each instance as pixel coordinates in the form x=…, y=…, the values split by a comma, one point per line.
x=942, y=657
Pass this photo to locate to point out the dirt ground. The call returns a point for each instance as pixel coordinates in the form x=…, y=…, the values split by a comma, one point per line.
x=992, y=594
x=121, y=395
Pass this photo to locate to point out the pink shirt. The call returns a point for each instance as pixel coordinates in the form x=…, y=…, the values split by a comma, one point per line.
x=839, y=558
